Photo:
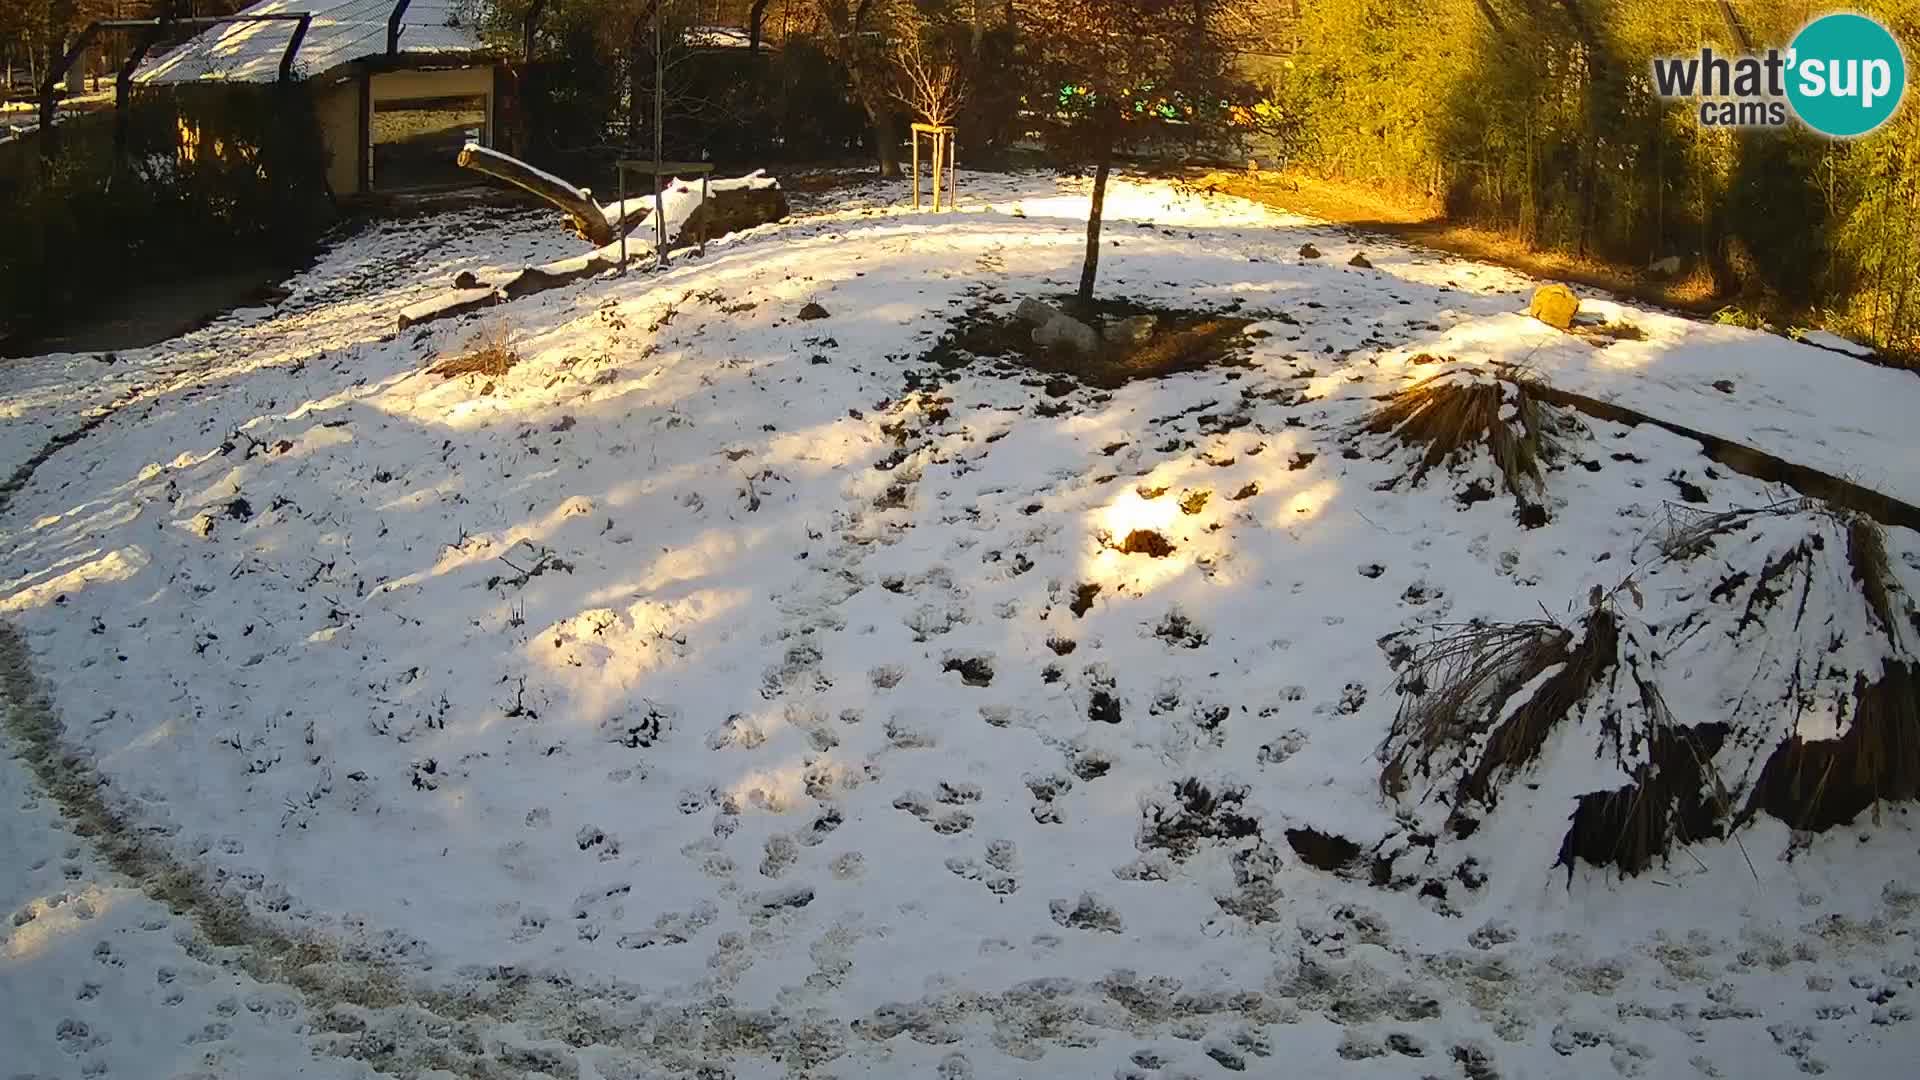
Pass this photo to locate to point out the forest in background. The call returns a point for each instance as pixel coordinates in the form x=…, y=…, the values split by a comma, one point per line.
x=1532, y=118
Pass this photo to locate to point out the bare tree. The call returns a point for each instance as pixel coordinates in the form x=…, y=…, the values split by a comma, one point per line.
x=1107, y=74
x=855, y=33
x=930, y=78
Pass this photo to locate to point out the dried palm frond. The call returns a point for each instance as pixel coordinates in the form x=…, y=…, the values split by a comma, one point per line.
x=1457, y=409
x=1820, y=783
x=1456, y=684
x=1674, y=798
x=1867, y=555
x=1685, y=531
x=1518, y=739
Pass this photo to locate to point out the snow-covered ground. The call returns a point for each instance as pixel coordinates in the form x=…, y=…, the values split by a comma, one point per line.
x=720, y=693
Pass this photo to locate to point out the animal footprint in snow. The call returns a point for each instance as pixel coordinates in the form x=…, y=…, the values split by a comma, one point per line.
x=1282, y=748
x=906, y=737
x=929, y=620
x=953, y=821
x=955, y=794
x=1086, y=913
x=736, y=730
x=1352, y=697
x=1089, y=764
x=1045, y=790
x=532, y=923
x=974, y=668
x=781, y=854
x=828, y=820
x=1103, y=704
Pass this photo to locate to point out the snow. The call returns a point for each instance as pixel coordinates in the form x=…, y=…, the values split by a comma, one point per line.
x=1824, y=339
x=721, y=670
x=678, y=200
x=341, y=31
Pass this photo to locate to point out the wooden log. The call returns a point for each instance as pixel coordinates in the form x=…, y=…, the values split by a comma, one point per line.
x=448, y=304
x=730, y=209
x=730, y=206
x=576, y=203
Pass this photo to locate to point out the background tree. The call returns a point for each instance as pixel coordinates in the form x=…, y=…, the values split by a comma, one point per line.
x=931, y=76
x=1108, y=75
x=1537, y=119
x=859, y=34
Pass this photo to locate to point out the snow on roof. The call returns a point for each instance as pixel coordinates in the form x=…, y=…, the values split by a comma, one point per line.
x=718, y=37
x=342, y=31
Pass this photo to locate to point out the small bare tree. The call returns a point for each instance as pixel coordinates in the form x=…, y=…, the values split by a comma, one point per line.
x=929, y=77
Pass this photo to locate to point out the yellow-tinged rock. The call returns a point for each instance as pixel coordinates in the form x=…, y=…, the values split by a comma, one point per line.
x=1554, y=305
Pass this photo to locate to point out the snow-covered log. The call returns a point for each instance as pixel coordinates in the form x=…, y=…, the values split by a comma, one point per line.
x=729, y=206
x=576, y=202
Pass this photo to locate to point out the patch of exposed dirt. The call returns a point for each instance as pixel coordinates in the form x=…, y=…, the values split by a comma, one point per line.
x=1184, y=340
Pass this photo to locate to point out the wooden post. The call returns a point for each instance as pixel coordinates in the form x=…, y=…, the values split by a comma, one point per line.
x=659, y=123
x=940, y=153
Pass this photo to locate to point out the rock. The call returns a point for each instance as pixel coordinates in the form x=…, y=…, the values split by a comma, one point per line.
x=732, y=208
x=1308, y=251
x=1554, y=305
x=1360, y=261
x=1066, y=332
x=1130, y=331
x=1037, y=312
x=465, y=280
x=812, y=311
x=1666, y=267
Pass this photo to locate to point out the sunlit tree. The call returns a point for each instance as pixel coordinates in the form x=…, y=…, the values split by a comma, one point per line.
x=1107, y=75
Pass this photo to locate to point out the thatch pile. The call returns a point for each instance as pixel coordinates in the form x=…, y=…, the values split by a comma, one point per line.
x=1794, y=692
x=1452, y=415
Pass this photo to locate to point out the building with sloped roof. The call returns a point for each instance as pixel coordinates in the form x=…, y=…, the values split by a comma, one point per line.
x=398, y=85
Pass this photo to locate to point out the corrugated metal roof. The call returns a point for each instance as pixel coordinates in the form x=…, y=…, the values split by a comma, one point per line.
x=342, y=30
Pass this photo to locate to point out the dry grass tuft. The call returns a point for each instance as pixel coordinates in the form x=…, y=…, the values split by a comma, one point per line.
x=1674, y=798
x=1518, y=739
x=489, y=352
x=1604, y=334
x=1867, y=555
x=1457, y=410
x=1685, y=532
x=1455, y=686
x=1818, y=784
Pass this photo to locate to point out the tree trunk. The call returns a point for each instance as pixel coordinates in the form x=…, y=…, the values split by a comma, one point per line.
x=1091, y=268
x=577, y=204
x=886, y=137
x=756, y=26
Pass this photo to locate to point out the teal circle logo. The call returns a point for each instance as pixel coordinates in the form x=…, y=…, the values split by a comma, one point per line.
x=1846, y=75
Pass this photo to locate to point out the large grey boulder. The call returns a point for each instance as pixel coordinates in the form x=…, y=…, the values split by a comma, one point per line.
x=1067, y=332
x=1037, y=312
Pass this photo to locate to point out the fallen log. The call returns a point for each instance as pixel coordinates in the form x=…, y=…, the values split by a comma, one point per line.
x=576, y=203
x=727, y=206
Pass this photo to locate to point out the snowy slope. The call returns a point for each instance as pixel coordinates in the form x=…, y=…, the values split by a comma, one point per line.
x=708, y=690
